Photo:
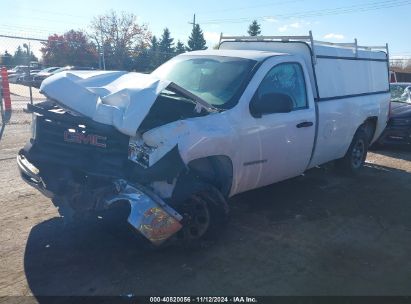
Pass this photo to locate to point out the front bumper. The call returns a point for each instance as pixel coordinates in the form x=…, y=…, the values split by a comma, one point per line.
x=149, y=214
x=30, y=174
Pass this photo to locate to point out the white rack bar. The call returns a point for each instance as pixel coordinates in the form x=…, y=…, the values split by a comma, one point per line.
x=258, y=38
x=308, y=38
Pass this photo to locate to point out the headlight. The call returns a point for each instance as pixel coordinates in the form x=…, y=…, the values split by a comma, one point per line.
x=139, y=153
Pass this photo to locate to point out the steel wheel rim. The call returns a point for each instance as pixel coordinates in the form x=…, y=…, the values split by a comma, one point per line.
x=196, y=218
x=357, y=155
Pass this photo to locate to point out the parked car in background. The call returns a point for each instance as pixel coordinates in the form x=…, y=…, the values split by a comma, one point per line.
x=38, y=79
x=26, y=78
x=398, y=130
x=43, y=74
x=16, y=72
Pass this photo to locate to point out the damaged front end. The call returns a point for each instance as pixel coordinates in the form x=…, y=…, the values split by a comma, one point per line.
x=85, y=165
x=149, y=214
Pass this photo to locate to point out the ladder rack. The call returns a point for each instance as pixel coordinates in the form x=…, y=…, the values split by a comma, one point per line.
x=308, y=39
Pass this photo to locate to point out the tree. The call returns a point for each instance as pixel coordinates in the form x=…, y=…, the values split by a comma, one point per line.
x=154, y=53
x=180, y=47
x=120, y=38
x=142, y=62
x=71, y=48
x=254, y=29
x=196, y=41
x=19, y=57
x=165, y=46
x=7, y=59
x=30, y=57
x=154, y=44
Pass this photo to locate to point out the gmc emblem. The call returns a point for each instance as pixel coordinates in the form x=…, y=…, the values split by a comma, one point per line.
x=89, y=139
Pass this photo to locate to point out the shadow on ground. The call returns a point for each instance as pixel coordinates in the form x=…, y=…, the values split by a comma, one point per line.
x=399, y=152
x=283, y=239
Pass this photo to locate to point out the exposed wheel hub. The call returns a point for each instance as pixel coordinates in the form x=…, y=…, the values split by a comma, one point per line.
x=196, y=218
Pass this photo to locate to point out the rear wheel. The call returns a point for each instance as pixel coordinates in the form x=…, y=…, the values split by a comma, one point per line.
x=354, y=159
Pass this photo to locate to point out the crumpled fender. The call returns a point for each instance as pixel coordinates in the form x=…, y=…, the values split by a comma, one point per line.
x=194, y=137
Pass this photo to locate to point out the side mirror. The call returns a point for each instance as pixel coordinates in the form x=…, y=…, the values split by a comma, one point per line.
x=271, y=103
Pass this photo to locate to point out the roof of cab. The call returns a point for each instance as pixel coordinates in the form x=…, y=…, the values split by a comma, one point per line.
x=246, y=54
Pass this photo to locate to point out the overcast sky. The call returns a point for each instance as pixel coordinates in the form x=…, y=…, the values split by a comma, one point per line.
x=373, y=22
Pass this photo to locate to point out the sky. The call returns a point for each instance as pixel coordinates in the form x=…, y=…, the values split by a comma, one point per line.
x=372, y=22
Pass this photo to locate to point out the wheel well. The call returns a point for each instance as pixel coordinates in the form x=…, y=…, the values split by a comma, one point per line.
x=370, y=125
x=216, y=170
x=213, y=170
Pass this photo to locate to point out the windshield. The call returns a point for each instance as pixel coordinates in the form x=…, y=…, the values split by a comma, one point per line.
x=216, y=79
x=400, y=92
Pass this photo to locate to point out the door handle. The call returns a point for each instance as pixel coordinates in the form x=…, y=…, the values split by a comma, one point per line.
x=305, y=124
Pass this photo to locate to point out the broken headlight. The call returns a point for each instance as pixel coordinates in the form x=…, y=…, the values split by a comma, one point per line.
x=139, y=153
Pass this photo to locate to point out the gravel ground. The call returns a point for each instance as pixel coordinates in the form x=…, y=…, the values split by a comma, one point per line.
x=318, y=234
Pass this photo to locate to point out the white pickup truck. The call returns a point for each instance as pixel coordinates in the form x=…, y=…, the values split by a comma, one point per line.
x=206, y=125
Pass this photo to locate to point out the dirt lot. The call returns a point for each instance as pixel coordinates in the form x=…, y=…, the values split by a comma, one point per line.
x=318, y=234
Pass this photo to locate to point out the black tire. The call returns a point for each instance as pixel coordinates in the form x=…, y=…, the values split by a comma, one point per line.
x=205, y=215
x=354, y=159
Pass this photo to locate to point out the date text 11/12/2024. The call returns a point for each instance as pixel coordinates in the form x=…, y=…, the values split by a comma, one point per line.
x=204, y=299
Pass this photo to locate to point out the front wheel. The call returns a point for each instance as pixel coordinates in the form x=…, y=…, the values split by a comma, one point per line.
x=205, y=214
x=354, y=159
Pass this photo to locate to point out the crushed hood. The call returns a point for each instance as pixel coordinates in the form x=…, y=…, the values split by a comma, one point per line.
x=116, y=98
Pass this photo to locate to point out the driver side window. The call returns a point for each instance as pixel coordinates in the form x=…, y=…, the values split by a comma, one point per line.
x=286, y=78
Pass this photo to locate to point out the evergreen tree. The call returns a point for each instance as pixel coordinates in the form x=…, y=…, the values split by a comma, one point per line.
x=165, y=46
x=153, y=53
x=33, y=57
x=20, y=57
x=142, y=62
x=7, y=59
x=154, y=44
x=196, y=41
x=180, y=47
x=254, y=29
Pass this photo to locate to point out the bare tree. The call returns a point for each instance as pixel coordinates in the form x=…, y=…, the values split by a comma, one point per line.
x=119, y=38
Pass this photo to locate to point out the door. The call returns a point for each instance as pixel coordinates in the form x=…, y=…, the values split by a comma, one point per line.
x=285, y=139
